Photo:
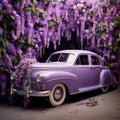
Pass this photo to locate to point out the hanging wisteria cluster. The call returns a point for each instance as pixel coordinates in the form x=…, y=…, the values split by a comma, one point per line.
x=28, y=26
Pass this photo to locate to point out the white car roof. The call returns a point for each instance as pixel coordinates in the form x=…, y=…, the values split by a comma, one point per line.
x=76, y=52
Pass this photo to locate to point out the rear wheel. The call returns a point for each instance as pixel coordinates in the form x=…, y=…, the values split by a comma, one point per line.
x=57, y=95
x=105, y=89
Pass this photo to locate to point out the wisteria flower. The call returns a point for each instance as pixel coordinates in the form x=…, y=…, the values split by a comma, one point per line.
x=8, y=61
x=1, y=7
x=74, y=7
x=11, y=49
x=80, y=5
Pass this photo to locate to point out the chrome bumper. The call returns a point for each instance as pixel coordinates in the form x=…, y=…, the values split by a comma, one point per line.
x=31, y=93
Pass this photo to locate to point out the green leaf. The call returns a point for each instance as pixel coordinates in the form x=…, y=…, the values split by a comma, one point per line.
x=4, y=51
x=99, y=24
x=104, y=9
x=16, y=59
x=53, y=23
x=4, y=69
x=12, y=17
x=34, y=1
x=101, y=0
x=93, y=14
x=19, y=42
x=31, y=43
x=112, y=1
x=62, y=0
x=118, y=40
x=1, y=69
x=116, y=21
x=42, y=12
x=46, y=1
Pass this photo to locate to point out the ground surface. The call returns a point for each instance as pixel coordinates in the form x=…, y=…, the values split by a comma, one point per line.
x=77, y=107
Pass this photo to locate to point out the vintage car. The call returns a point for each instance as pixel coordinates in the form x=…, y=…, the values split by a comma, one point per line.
x=67, y=72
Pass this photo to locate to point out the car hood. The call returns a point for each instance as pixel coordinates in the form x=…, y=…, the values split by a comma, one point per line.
x=49, y=65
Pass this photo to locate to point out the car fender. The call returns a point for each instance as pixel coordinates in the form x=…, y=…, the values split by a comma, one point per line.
x=106, y=77
x=67, y=78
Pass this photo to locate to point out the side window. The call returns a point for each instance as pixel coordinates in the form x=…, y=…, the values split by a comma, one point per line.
x=95, y=60
x=54, y=58
x=82, y=60
x=78, y=61
x=63, y=57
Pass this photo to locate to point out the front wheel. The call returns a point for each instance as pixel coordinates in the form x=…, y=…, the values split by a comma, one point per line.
x=105, y=89
x=57, y=95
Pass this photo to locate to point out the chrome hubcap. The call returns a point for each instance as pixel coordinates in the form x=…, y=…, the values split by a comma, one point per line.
x=58, y=94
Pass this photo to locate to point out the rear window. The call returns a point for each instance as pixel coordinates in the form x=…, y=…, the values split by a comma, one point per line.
x=95, y=60
x=82, y=60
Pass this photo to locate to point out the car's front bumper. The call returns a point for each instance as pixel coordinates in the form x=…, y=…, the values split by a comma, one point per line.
x=31, y=93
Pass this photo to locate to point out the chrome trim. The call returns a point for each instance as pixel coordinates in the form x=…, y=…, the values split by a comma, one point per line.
x=58, y=79
x=49, y=68
x=68, y=67
x=32, y=93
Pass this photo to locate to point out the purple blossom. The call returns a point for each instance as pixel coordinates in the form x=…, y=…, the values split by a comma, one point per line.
x=1, y=6
x=115, y=65
x=88, y=4
x=5, y=2
x=80, y=5
x=14, y=37
x=69, y=2
x=11, y=49
x=20, y=52
x=9, y=8
x=22, y=23
x=18, y=23
x=27, y=3
x=8, y=61
x=11, y=57
x=30, y=25
x=22, y=69
x=30, y=53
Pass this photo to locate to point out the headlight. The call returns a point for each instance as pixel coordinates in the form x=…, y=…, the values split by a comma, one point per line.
x=39, y=78
x=13, y=76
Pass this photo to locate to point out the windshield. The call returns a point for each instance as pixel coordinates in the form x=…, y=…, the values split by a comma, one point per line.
x=62, y=57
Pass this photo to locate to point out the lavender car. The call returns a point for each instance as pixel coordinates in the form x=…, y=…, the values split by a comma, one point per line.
x=67, y=72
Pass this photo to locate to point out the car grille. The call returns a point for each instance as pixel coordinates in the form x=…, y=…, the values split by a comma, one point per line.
x=34, y=86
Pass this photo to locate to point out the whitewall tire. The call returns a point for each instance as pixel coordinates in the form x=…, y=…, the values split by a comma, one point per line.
x=105, y=89
x=57, y=95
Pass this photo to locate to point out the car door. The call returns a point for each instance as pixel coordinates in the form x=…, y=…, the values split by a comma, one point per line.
x=96, y=69
x=84, y=71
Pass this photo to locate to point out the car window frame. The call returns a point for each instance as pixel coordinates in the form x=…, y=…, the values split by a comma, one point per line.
x=47, y=61
x=100, y=61
x=79, y=57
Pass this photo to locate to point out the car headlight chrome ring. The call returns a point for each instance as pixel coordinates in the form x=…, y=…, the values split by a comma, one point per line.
x=39, y=78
